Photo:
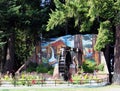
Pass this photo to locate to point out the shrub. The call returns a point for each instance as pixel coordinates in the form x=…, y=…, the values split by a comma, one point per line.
x=89, y=66
x=50, y=72
x=76, y=79
x=31, y=67
x=41, y=69
x=100, y=67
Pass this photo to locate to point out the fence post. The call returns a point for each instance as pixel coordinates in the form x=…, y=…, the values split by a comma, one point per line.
x=14, y=79
x=55, y=82
x=42, y=81
x=0, y=81
x=90, y=81
x=68, y=83
x=28, y=82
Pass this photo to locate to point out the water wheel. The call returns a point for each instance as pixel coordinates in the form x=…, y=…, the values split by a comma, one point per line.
x=66, y=59
x=64, y=63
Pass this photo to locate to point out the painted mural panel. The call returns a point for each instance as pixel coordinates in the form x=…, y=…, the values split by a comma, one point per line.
x=51, y=47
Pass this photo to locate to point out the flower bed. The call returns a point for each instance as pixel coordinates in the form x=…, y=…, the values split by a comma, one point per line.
x=31, y=79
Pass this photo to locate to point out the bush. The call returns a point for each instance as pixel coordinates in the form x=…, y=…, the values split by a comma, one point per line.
x=100, y=67
x=31, y=67
x=89, y=66
x=41, y=69
x=50, y=72
x=76, y=79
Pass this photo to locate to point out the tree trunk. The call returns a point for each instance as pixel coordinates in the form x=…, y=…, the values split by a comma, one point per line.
x=96, y=54
x=9, y=64
x=1, y=57
x=106, y=52
x=116, y=76
x=78, y=44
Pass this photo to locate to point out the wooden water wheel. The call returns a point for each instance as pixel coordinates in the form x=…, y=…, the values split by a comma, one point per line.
x=66, y=59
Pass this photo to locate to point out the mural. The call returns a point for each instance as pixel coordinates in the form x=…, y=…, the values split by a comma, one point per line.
x=75, y=48
x=51, y=47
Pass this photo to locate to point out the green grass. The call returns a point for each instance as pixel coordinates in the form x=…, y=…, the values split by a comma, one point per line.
x=106, y=88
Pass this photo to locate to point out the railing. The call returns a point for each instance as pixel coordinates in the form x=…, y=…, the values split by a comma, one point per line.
x=43, y=82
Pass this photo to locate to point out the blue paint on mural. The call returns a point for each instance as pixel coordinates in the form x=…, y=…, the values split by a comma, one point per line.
x=68, y=40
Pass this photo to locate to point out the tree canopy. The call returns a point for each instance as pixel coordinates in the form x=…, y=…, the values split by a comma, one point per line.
x=85, y=13
x=21, y=21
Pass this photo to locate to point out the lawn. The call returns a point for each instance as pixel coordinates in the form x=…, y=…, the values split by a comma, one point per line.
x=105, y=88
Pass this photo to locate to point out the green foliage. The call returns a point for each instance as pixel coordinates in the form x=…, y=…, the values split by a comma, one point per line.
x=44, y=68
x=59, y=18
x=100, y=67
x=103, y=8
x=117, y=5
x=26, y=19
x=117, y=18
x=50, y=72
x=93, y=12
x=2, y=35
x=23, y=45
x=71, y=9
x=86, y=25
x=89, y=66
x=85, y=14
x=105, y=36
x=76, y=79
x=28, y=79
x=41, y=68
x=31, y=67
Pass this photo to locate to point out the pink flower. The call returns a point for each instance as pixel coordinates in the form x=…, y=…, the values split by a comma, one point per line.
x=33, y=81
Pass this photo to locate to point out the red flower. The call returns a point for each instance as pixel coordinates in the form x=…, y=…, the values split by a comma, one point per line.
x=71, y=80
x=33, y=81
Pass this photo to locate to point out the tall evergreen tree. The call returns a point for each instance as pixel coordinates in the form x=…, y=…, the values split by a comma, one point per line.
x=22, y=21
x=104, y=15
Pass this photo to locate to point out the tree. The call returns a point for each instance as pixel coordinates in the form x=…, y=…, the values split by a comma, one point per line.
x=2, y=43
x=116, y=76
x=22, y=21
x=103, y=15
x=1, y=38
x=9, y=24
